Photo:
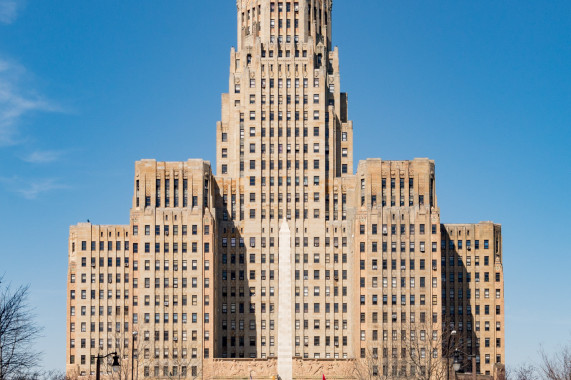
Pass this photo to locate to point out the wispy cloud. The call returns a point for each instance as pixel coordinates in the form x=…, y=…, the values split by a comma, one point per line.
x=16, y=101
x=32, y=188
x=43, y=156
x=9, y=11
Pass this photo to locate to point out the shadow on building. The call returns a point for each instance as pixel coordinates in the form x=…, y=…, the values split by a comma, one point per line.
x=458, y=299
x=235, y=323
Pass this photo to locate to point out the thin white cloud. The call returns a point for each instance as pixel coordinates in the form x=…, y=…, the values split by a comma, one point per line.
x=43, y=156
x=32, y=188
x=16, y=102
x=8, y=11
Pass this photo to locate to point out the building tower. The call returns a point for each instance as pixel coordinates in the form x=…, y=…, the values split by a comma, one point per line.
x=283, y=145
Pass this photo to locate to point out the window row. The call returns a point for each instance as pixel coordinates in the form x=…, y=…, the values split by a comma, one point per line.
x=452, y=246
x=117, y=261
x=175, y=230
x=402, y=229
x=280, y=149
x=252, y=291
x=166, y=265
x=384, y=246
x=94, y=294
x=167, y=194
x=394, y=317
x=395, y=301
x=175, y=283
x=166, y=247
x=165, y=318
x=111, y=278
x=241, y=258
x=110, y=246
x=99, y=327
x=459, y=293
x=289, y=99
x=288, y=6
x=459, y=325
x=168, y=371
x=459, y=260
x=459, y=277
x=280, y=82
x=175, y=300
x=337, y=308
x=101, y=311
x=403, y=283
x=477, y=310
x=393, y=264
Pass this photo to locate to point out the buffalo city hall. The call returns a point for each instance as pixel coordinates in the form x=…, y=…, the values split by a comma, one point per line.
x=286, y=263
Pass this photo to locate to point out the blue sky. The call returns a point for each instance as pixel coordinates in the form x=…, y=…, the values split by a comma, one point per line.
x=483, y=87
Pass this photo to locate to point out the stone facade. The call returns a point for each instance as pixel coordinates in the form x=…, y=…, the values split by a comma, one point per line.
x=286, y=262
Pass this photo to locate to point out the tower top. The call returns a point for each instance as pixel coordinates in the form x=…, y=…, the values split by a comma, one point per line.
x=283, y=22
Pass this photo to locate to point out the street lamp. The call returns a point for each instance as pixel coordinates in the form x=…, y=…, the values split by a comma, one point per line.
x=452, y=333
x=115, y=365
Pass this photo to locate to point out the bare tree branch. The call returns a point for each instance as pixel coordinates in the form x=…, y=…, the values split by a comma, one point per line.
x=18, y=333
x=554, y=367
x=558, y=366
x=523, y=372
x=372, y=366
x=130, y=349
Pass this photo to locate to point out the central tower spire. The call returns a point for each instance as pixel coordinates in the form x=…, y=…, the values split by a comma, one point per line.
x=284, y=147
x=284, y=74
x=274, y=21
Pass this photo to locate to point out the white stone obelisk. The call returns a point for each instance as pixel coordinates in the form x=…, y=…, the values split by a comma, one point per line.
x=285, y=319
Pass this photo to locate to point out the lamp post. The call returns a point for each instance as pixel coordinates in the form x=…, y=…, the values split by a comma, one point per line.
x=133, y=355
x=452, y=333
x=115, y=364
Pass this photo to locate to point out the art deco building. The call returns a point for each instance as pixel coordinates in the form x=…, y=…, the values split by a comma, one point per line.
x=285, y=257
